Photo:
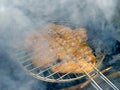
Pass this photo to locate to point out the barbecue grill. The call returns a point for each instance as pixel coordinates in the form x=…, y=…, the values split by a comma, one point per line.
x=46, y=73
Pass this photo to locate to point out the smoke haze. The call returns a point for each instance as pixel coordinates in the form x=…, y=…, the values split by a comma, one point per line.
x=19, y=17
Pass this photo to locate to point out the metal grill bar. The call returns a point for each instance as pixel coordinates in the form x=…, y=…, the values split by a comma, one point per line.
x=105, y=78
x=96, y=87
x=64, y=75
x=93, y=81
x=28, y=55
x=101, y=75
x=28, y=65
x=52, y=74
x=44, y=70
x=61, y=77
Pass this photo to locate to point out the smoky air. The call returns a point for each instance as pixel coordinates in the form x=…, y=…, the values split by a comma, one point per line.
x=18, y=18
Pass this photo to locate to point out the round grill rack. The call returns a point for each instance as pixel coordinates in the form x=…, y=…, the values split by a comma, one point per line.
x=45, y=73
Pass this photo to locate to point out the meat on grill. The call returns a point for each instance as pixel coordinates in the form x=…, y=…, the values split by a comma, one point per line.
x=65, y=44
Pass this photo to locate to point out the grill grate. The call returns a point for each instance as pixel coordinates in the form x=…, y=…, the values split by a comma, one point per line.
x=46, y=73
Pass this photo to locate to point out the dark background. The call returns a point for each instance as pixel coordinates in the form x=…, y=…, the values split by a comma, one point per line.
x=19, y=17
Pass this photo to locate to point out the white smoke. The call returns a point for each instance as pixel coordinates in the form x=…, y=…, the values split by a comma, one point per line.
x=107, y=7
x=19, y=17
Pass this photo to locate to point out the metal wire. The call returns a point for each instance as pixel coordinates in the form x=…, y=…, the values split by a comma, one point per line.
x=94, y=83
x=101, y=75
x=61, y=77
x=50, y=77
x=105, y=78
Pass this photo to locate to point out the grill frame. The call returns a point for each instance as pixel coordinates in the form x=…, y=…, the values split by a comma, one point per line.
x=49, y=79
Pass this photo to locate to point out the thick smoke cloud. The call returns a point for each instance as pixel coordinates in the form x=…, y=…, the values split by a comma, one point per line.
x=19, y=17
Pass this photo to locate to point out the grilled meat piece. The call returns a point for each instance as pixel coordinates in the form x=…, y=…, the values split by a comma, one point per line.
x=65, y=44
